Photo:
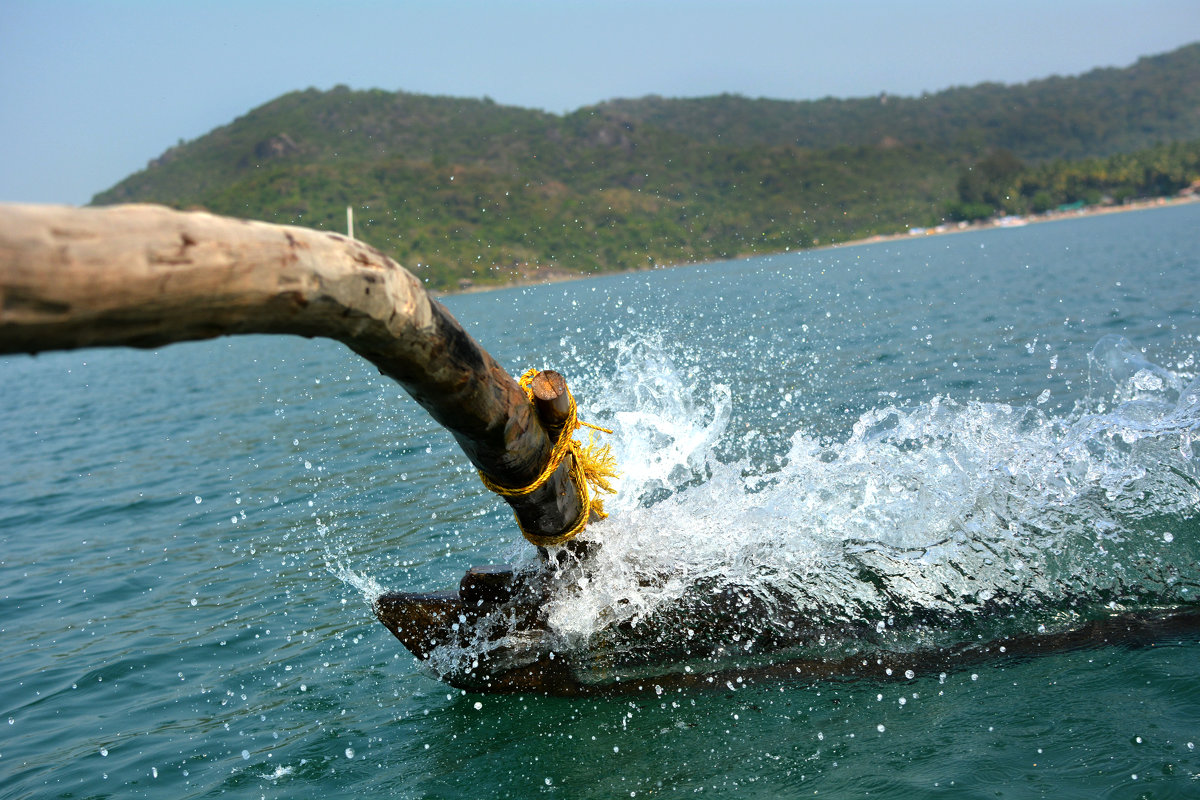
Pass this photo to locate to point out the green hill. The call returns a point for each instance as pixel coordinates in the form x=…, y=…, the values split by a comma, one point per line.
x=1103, y=112
x=468, y=189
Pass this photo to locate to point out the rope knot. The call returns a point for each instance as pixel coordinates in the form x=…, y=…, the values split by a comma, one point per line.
x=593, y=467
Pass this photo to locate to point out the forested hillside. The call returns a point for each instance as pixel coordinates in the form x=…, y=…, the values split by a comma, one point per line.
x=1103, y=112
x=468, y=189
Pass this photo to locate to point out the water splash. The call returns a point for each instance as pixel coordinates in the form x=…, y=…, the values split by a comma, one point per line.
x=367, y=586
x=927, y=525
x=336, y=557
x=666, y=434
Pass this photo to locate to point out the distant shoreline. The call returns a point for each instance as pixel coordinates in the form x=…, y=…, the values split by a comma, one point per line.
x=909, y=235
x=1018, y=221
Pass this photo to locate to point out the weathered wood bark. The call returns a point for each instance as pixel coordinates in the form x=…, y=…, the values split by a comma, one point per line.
x=551, y=399
x=526, y=657
x=146, y=276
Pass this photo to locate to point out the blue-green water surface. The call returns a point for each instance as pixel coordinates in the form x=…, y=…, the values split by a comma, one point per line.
x=189, y=537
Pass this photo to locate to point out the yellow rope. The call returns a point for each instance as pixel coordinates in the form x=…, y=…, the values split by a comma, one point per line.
x=593, y=466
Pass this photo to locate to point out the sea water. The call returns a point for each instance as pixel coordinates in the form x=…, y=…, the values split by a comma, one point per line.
x=906, y=446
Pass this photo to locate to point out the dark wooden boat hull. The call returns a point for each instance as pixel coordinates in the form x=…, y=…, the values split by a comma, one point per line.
x=493, y=623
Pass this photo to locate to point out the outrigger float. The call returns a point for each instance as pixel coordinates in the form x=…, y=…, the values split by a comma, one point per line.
x=495, y=604
x=147, y=276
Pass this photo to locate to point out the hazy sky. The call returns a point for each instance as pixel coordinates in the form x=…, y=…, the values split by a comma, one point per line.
x=90, y=90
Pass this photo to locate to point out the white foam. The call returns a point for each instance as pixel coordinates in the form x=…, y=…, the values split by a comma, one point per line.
x=943, y=510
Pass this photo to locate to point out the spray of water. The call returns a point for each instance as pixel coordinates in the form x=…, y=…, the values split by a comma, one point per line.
x=926, y=526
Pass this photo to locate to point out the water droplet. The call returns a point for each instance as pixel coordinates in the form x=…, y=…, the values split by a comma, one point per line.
x=349, y=752
x=245, y=755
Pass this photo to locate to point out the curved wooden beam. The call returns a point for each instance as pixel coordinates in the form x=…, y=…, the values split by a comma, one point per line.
x=146, y=276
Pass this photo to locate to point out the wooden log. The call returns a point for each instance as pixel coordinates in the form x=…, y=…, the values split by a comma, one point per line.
x=527, y=662
x=551, y=399
x=146, y=276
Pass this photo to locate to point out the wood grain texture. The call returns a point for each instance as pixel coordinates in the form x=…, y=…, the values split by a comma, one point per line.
x=147, y=276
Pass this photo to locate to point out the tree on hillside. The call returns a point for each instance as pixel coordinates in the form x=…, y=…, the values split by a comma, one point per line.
x=987, y=187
